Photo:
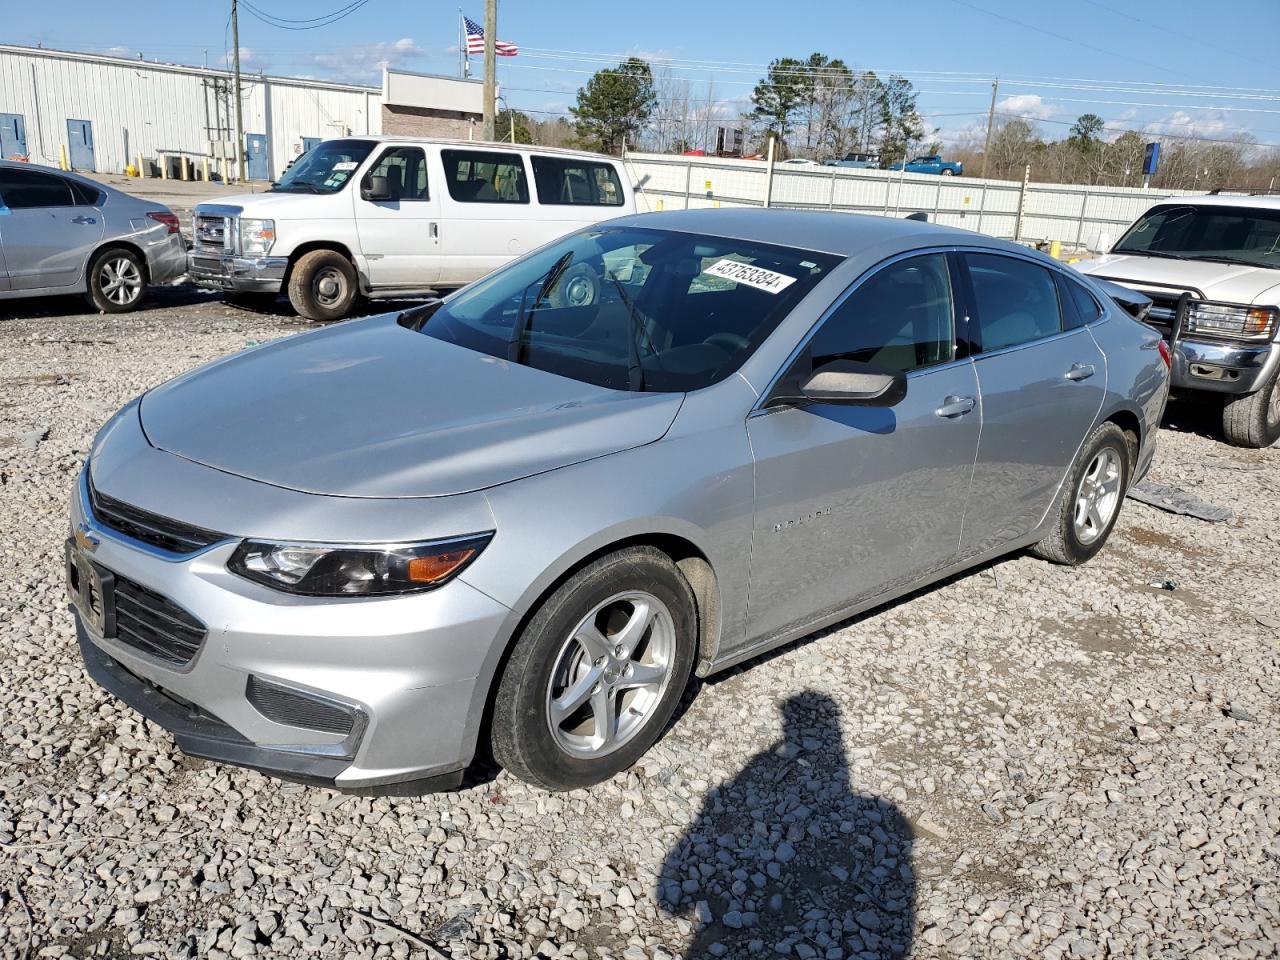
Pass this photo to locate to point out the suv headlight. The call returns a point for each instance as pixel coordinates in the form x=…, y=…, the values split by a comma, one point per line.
x=339, y=570
x=1229, y=320
x=257, y=236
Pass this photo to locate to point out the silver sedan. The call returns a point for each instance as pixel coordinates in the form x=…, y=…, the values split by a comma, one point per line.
x=521, y=518
x=62, y=233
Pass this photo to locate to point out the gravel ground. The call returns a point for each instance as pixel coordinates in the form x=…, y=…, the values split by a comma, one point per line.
x=1027, y=760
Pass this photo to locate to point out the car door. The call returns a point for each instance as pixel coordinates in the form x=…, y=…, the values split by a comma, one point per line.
x=47, y=234
x=855, y=501
x=400, y=236
x=1042, y=385
x=486, y=214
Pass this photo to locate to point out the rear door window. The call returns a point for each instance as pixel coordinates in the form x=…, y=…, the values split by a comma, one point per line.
x=483, y=176
x=1016, y=301
x=571, y=182
x=1078, y=305
x=27, y=189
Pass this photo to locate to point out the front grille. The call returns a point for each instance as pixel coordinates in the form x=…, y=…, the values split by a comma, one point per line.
x=151, y=528
x=155, y=624
x=211, y=234
x=1164, y=308
x=293, y=708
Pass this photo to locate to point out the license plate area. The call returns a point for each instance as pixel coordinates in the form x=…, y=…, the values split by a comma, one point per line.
x=92, y=592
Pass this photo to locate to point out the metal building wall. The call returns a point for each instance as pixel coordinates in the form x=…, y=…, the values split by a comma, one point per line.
x=139, y=107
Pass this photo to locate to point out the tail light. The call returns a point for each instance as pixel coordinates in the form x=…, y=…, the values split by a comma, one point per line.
x=168, y=219
x=1165, y=355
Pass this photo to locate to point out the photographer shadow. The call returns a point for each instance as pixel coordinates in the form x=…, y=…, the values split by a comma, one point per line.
x=787, y=853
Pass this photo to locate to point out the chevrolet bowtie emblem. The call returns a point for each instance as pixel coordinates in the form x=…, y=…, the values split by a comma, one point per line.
x=85, y=540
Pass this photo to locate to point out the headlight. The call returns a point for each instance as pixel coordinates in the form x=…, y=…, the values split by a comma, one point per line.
x=335, y=570
x=1230, y=320
x=257, y=236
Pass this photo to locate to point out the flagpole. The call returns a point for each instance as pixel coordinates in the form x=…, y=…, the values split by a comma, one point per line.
x=463, y=61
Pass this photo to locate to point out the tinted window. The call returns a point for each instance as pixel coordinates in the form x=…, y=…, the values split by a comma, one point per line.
x=84, y=194
x=1015, y=299
x=630, y=308
x=1078, y=305
x=23, y=189
x=898, y=319
x=406, y=171
x=561, y=180
x=476, y=176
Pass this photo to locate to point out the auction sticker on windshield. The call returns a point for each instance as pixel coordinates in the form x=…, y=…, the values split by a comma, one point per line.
x=746, y=274
x=345, y=165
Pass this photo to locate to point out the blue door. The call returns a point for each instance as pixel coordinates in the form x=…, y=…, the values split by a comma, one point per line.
x=256, y=156
x=13, y=136
x=80, y=142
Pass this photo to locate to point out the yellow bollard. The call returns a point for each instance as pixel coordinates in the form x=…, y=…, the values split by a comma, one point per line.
x=164, y=166
x=1055, y=249
x=206, y=169
x=142, y=168
x=62, y=157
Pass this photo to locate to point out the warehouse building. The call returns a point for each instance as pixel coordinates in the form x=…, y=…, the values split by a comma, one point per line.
x=101, y=113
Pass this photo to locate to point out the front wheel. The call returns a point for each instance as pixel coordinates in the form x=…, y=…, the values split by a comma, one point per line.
x=948, y=173
x=117, y=281
x=597, y=673
x=322, y=285
x=1253, y=420
x=1091, y=499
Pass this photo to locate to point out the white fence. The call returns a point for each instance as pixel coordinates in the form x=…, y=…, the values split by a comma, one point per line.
x=1079, y=216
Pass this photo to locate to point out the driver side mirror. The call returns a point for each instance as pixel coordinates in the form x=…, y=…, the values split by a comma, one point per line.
x=375, y=188
x=855, y=383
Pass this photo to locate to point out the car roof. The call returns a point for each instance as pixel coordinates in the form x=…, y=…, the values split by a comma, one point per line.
x=481, y=145
x=1267, y=202
x=843, y=234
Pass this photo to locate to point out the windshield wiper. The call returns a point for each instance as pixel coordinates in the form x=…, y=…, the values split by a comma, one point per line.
x=1238, y=260
x=635, y=370
x=515, y=344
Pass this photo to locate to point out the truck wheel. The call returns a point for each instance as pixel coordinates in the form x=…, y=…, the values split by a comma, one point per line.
x=117, y=280
x=323, y=285
x=1253, y=420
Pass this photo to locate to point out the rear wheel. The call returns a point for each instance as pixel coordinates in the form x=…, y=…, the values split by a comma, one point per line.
x=1253, y=420
x=117, y=281
x=322, y=285
x=597, y=673
x=1091, y=499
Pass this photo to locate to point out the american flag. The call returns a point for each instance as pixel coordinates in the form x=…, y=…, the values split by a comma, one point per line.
x=475, y=41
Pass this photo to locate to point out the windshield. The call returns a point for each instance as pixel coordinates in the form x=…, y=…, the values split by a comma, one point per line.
x=633, y=309
x=1227, y=234
x=325, y=168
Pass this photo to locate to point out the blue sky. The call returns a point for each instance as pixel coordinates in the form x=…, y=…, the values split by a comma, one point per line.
x=1179, y=66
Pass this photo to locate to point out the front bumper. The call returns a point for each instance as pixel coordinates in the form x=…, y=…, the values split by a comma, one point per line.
x=243, y=274
x=1219, y=366
x=405, y=667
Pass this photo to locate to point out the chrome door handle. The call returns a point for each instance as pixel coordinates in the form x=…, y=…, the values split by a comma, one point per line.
x=435, y=231
x=953, y=407
x=83, y=220
x=1080, y=371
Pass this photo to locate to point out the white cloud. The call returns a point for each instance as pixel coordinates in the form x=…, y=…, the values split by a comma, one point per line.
x=363, y=62
x=250, y=61
x=1213, y=124
x=1028, y=105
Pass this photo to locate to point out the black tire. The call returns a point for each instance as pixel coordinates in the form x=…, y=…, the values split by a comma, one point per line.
x=1253, y=420
x=1064, y=543
x=323, y=285
x=521, y=733
x=579, y=287
x=116, y=280
x=947, y=172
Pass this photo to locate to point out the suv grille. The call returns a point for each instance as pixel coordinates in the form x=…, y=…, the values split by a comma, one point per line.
x=150, y=528
x=210, y=234
x=155, y=624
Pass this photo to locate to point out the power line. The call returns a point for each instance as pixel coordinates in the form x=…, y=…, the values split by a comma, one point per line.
x=1198, y=41
x=314, y=24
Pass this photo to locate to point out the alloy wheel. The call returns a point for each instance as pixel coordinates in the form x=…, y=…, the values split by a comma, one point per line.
x=120, y=280
x=1098, y=496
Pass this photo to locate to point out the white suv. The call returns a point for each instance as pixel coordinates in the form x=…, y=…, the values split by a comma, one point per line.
x=396, y=216
x=1211, y=266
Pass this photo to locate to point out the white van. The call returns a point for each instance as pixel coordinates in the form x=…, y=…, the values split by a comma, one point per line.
x=398, y=216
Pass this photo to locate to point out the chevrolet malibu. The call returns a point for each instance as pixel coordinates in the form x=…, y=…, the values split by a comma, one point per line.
x=517, y=520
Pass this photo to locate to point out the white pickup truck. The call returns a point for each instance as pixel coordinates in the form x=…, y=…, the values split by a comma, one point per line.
x=396, y=216
x=1211, y=266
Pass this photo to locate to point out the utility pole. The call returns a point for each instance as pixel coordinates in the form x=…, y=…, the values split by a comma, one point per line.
x=991, y=120
x=235, y=43
x=490, y=69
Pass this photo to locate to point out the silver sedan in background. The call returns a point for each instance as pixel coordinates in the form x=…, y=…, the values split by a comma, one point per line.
x=520, y=518
x=61, y=233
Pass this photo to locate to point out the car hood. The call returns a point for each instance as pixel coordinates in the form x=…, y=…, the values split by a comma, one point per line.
x=371, y=409
x=270, y=204
x=1227, y=282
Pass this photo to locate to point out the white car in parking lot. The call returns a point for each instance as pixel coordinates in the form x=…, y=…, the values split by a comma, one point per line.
x=398, y=216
